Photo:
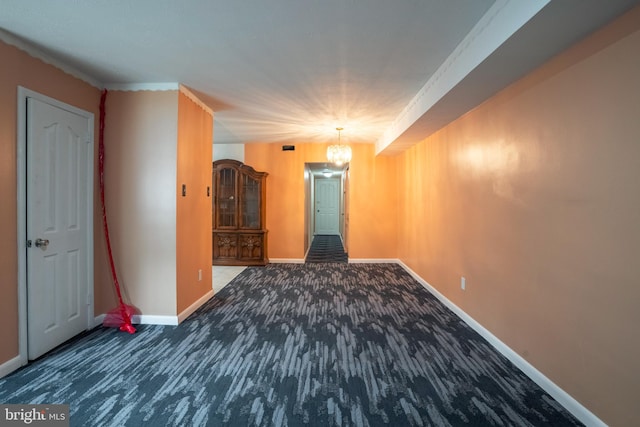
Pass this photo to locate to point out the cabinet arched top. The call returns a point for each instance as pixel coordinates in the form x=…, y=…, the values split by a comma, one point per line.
x=241, y=167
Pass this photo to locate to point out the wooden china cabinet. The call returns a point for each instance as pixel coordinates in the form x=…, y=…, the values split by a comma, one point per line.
x=239, y=234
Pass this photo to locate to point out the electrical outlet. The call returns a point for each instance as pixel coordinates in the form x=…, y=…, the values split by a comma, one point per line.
x=463, y=283
x=199, y=275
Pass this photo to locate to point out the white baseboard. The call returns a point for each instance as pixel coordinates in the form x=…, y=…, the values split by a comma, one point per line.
x=144, y=319
x=9, y=366
x=98, y=320
x=570, y=404
x=351, y=261
x=152, y=319
x=196, y=305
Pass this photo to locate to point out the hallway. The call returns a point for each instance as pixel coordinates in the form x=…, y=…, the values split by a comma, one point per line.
x=326, y=248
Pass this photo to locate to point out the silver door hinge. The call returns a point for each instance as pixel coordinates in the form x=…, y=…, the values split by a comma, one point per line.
x=29, y=243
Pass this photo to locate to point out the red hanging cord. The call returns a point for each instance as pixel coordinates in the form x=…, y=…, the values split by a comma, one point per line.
x=120, y=317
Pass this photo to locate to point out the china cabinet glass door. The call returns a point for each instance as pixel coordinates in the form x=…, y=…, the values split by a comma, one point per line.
x=250, y=202
x=227, y=198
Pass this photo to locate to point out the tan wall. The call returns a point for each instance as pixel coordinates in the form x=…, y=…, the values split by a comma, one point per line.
x=372, y=199
x=194, y=240
x=18, y=68
x=533, y=197
x=140, y=174
x=373, y=196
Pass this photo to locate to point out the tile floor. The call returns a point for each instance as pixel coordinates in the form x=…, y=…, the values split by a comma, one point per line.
x=223, y=275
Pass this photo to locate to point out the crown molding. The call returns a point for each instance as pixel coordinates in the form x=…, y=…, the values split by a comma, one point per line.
x=36, y=53
x=185, y=91
x=136, y=87
x=499, y=23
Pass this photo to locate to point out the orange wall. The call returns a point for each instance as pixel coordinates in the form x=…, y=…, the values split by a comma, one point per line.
x=18, y=68
x=140, y=176
x=372, y=198
x=194, y=251
x=533, y=197
x=372, y=204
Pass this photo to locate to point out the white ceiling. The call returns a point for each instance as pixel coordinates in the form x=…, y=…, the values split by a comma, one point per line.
x=389, y=72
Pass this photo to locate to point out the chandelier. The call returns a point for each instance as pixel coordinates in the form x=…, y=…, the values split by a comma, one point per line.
x=339, y=153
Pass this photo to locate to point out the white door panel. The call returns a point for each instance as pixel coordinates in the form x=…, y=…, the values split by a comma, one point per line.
x=58, y=224
x=327, y=213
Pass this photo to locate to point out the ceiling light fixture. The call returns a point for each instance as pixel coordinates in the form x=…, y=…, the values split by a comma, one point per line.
x=339, y=153
x=327, y=173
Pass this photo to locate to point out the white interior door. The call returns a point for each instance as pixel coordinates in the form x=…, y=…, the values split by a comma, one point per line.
x=59, y=224
x=327, y=215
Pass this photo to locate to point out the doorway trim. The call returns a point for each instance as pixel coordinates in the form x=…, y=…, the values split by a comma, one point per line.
x=311, y=169
x=21, y=168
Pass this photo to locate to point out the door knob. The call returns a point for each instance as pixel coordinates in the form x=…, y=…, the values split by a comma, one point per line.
x=42, y=243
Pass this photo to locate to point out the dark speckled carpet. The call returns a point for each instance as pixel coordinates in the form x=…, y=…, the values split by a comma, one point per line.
x=293, y=345
x=326, y=249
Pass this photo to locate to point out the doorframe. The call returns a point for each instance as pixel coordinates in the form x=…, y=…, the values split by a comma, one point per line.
x=310, y=168
x=21, y=167
x=344, y=208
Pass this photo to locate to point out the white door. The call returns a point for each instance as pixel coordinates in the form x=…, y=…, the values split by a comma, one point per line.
x=327, y=206
x=59, y=224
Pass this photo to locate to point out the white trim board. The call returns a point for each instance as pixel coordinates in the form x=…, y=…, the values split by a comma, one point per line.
x=192, y=96
x=144, y=319
x=503, y=19
x=196, y=305
x=135, y=87
x=36, y=53
x=152, y=319
x=351, y=260
x=570, y=404
x=98, y=320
